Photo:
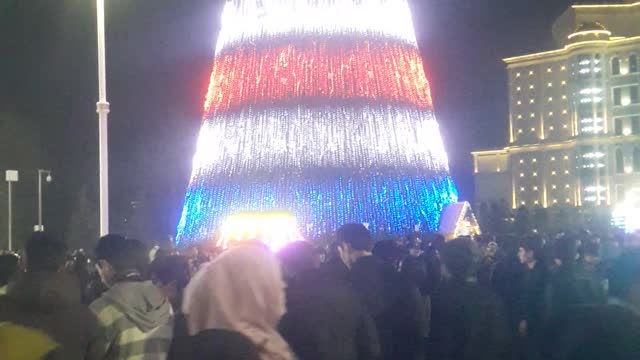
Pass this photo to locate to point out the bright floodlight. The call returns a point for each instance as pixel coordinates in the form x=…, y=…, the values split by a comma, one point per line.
x=275, y=229
x=627, y=213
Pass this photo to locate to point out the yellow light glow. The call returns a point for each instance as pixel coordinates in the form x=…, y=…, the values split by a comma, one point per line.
x=564, y=83
x=535, y=174
x=551, y=128
x=604, y=6
x=553, y=187
x=553, y=158
x=550, y=99
x=628, y=169
x=530, y=72
x=531, y=86
x=550, y=113
x=549, y=84
x=548, y=70
x=275, y=229
x=626, y=131
x=590, y=32
x=535, y=188
x=553, y=173
x=563, y=68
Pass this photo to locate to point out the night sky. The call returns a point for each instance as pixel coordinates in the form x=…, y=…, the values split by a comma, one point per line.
x=159, y=54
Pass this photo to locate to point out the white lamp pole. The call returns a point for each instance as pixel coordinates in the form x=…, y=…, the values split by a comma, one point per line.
x=103, y=109
x=11, y=176
x=48, y=178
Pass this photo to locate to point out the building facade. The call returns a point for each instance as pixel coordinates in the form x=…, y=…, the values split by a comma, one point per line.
x=574, y=116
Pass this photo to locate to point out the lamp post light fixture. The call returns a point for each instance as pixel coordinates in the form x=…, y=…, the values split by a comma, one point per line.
x=48, y=178
x=11, y=176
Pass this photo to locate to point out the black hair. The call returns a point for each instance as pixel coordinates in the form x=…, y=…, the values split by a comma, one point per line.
x=460, y=256
x=297, y=258
x=355, y=235
x=533, y=243
x=8, y=267
x=171, y=268
x=121, y=253
x=45, y=254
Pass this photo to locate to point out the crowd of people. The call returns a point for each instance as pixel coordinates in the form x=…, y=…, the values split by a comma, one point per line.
x=569, y=297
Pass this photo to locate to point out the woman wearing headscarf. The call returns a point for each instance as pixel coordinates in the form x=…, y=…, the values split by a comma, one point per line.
x=241, y=291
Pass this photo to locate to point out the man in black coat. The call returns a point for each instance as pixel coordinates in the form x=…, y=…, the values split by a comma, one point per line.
x=324, y=319
x=46, y=299
x=468, y=322
x=393, y=302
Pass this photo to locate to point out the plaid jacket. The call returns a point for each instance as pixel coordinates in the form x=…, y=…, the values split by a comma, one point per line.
x=121, y=338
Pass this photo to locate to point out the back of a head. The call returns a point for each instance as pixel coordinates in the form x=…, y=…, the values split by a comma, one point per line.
x=123, y=254
x=624, y=274
x=297, y=258
x=459, y=256
x=9, y=264
x=171, y=268
x=44, y=254
x=533, y=243
x=388, y=251
x=355, y=235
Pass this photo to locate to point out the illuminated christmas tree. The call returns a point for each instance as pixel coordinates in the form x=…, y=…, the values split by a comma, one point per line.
x=319, y=108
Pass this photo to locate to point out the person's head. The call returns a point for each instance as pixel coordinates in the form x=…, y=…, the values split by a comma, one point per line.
x=241, y=290
x=297, y=258
x=389, y=252
x=171, y=274
x=353, y=241
x=118, y=257
x=459, y=257
x=45, y=254
x=9, y=264
x=530, y=250
x=624, y=277
x=565, y=250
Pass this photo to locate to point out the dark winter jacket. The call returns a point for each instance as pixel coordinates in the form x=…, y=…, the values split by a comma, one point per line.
x=325, y=320
x=468, y=322
x=531, y=300
x=51, y=302
x=395, y=305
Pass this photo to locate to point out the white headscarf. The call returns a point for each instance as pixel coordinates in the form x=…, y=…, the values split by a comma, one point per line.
x=242, y=290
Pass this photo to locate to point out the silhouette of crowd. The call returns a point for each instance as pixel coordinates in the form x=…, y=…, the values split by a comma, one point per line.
x=573, y=296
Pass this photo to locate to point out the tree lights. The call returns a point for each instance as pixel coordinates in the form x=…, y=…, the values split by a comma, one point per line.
x=319, y=108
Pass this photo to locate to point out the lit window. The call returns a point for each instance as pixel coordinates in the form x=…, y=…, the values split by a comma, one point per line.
x=566, y=157
x=531, y=86
x=549, y=84
x=564, y=82
x=550, y=99
x=564, y=111
x=564, y=126
x=566, y=171
x=555, y=201
x=535, y=188
x=521, y=161
x=521, y=174
x=551, y=128
x=548, y=70
x=567, y=186
x=553, y=187
x=550, y=113
x=535, y=202
x=530, y=72
x=553, y=158
x=522, y=189
x=517, y=74
x=519, y=131
x=531, y=101
x=553, y=172
x=498, y=169
x=567, y=200
x=534, y=160
x=519, y=116
x=564, y=97
x=535, y=173
x=523, y=203
x=518, y=88
x=563, y=68
x=519, y=102
x=532, y=115
x=533, y=129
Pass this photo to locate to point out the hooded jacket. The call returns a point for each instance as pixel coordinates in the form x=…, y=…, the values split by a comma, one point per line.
x=135, y=321
x=50, y=302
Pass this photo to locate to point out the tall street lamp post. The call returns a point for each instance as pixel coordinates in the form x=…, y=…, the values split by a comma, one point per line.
x=48, y=178
x=102, y=108
x=11, y=176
